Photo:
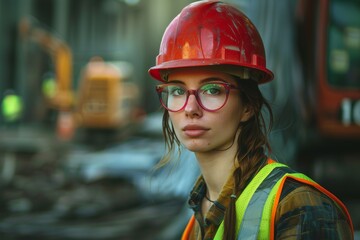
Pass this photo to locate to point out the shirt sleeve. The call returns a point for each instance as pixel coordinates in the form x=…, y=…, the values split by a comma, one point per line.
x=306, y=213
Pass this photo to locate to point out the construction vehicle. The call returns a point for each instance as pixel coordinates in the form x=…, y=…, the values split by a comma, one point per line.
x=329, y=40
x=332, y=58
x=63, y=97
x=103, y=99
x=101, y=83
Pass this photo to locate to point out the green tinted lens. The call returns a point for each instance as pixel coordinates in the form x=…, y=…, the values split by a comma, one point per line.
x=212, y=95
x=174, y=97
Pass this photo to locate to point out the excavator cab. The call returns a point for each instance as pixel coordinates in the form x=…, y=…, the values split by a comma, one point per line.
x=338, y=73
x=105, y=100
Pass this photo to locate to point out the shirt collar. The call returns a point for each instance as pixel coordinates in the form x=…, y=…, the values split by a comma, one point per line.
x=216, y=212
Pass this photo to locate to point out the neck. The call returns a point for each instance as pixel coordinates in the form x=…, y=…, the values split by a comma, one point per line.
x=216, y=166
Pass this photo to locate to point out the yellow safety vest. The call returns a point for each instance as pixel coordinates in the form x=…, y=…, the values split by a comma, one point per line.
x=256, y=206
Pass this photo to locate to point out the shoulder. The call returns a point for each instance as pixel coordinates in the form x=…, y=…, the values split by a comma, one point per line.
x=308, y=210
x=296, y=195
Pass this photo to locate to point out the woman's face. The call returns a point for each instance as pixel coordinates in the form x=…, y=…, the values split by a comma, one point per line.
x=200, y=130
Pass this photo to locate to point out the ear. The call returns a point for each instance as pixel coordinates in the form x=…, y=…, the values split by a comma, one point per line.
x=247, y=113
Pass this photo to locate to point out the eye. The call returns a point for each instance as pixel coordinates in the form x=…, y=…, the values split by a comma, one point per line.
x=212, y=89
x=176, y=90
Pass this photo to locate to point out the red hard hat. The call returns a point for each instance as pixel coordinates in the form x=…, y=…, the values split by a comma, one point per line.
x=212, y=33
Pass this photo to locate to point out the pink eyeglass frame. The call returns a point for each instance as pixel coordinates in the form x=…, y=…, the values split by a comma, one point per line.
x=195, y=92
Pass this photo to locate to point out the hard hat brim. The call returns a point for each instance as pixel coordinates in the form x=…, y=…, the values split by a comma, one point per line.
x=159, y=71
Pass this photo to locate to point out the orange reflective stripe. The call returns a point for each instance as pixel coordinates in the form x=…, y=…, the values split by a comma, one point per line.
x=277, y=197
x=269, y=161
x=275, y=205
x=188, y=229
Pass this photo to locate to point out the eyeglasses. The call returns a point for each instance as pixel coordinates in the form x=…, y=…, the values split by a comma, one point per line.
x=210, y=96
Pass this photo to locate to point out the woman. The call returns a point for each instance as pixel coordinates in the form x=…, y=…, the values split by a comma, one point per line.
x=211, y=61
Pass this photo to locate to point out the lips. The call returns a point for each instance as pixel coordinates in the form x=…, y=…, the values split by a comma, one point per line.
x=194, y=130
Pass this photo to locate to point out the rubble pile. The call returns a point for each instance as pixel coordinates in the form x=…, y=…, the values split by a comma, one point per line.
x=44, y=200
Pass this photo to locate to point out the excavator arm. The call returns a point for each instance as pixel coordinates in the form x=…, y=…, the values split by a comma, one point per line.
x=63, y=99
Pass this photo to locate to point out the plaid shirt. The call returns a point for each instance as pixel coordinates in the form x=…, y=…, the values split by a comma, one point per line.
x=303, y=213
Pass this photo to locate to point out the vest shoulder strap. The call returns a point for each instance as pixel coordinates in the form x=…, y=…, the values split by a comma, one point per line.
x=267, y=224
x=242, y=202
x=252, y=219
x=188, y=229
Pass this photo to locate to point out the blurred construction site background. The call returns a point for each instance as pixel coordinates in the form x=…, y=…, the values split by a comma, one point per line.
x=80, y=123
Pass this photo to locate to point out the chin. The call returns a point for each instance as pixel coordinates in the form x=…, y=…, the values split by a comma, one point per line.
x=197, y=147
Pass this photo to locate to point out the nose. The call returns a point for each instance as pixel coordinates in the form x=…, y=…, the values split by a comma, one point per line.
x=192, y=108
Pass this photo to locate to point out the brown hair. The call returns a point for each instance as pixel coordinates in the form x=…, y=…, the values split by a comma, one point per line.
x=252, y=143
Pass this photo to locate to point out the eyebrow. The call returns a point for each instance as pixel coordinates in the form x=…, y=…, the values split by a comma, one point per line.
x=205, y=80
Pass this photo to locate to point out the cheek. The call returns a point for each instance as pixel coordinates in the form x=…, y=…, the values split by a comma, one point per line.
x=174, y=120
x=231, y=119
x=233, y=111
x=171, y=117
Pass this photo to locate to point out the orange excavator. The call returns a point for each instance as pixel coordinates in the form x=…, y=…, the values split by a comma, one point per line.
x=63, y=97
x=103, y=100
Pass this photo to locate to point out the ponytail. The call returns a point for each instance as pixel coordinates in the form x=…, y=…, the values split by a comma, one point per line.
x=251, y=156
